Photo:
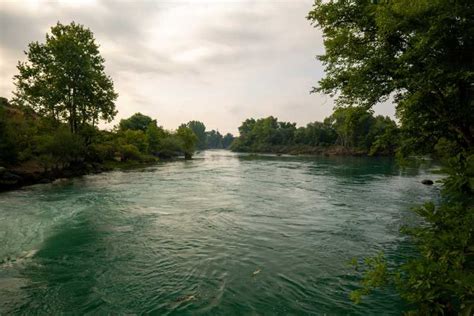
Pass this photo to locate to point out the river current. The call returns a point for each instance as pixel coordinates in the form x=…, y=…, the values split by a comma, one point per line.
x=222, y=234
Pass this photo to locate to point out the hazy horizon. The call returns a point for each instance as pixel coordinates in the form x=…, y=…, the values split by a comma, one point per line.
x=219, y=62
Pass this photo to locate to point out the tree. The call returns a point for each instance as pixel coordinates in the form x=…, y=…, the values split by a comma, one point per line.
x=214, y=140
x=353, y=126
x=263, y=134
x=136, y=138
x=199, y=130
x=385, y=136
x=136, y=122
x=60, y=148
x=227, y=140
x=316, y=134
x=419, y=52
x=170, y=146
x=129, y=152
x=246, y=128
x=8, y=148
x=189, y=140
x=154, y=136
x=64, y=78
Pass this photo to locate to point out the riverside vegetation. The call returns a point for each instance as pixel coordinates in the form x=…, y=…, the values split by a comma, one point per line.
x=419, y=53
x=36, y=148
x=49, y=128
x=348, y=131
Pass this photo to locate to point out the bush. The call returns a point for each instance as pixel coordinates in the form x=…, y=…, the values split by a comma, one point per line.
x=8, y=148
x=137, y=138
x=63, y=146
x=129, y=152
x=154, y=135
x=188, y=140
x=170, y=146
x=101, y=152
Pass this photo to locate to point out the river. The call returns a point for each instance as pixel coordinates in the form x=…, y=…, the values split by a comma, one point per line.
x=224, y=233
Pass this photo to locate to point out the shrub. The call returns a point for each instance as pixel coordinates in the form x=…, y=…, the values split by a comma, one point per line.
x=129, y=152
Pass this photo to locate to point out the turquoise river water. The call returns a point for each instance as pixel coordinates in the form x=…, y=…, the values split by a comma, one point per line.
x=223, y=234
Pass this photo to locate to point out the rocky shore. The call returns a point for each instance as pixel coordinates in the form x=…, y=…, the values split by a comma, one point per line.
x=28, y=174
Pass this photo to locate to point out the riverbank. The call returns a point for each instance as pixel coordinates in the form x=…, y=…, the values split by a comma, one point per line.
x=311, y=150
x=31, y=172
x=36, y=148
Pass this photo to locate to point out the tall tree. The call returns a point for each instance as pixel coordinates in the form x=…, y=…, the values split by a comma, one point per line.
x=136, y=122
x=154, y=136
x=188, y=139
x=419, y=52
x=200, y=130
x=214, y=140
x=353, y=125
x=227, y=140
x=64, y=78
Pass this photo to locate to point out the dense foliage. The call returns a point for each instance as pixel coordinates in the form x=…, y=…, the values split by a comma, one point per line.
x=61, y=93
x=64, y=78
x=136, y=122
x=352, y=128
x=419, y=53
x=28, y=138
x=209, y=139
x=199, y=130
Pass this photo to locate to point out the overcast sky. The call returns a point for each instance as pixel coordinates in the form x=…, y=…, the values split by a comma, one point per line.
x=219, y=62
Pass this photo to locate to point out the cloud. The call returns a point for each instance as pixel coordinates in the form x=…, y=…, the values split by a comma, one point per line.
x=215, y=61
x=16, y=31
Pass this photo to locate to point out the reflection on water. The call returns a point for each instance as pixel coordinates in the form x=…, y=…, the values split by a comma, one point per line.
x=188, y=237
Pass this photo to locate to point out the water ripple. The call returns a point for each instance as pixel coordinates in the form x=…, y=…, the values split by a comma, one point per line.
x=224, y=234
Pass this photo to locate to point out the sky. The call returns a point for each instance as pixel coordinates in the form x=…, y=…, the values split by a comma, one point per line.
x=216, y=61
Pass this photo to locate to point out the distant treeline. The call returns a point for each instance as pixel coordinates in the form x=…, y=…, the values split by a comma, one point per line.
x=209, y=139
x=354, y=130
